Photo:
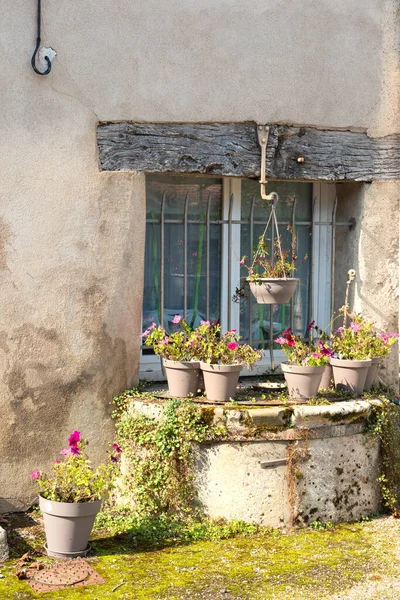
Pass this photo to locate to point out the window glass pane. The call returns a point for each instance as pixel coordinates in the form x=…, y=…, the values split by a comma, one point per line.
x=262, y=316
x=196, y=193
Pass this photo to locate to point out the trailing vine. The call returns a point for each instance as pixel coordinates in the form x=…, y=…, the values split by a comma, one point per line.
x=159, y=455
x=385, y=425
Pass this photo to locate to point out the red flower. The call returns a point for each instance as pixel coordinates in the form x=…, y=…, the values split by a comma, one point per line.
x=232, y=346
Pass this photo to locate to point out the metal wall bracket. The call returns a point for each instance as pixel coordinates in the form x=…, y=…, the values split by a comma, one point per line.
x=269, y=464
x=263, y=133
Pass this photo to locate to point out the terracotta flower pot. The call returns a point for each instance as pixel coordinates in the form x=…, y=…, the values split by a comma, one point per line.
x=302, y=382
x=220, y=381
x=184, y=377
x=350, y=375
x=372, y=373
x=327, y=378
x=273, y=291
x=68, y=526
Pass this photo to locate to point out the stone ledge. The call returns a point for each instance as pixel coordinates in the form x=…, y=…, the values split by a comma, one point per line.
x=338, y=413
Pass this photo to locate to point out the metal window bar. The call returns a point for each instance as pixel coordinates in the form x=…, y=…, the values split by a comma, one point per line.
x=251, y=222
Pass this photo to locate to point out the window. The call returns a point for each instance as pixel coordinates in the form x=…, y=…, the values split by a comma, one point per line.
x=197, y=230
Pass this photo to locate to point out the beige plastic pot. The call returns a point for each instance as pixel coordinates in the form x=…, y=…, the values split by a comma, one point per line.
x=68, y=526
x=302, y=382
x=327, y=378
x=372, y=373
x=184, y=377
x=273, y=291
x=220, y=381
x=350, y=375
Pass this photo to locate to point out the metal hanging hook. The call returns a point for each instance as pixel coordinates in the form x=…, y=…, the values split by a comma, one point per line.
x=38, y=42
x=263, y=133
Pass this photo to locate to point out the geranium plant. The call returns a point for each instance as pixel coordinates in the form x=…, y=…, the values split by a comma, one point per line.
x=73, y=478
x=213, y=348
x=304, y=352
x=175, y=346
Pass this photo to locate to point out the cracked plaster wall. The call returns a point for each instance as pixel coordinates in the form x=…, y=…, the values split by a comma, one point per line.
x=71, y=238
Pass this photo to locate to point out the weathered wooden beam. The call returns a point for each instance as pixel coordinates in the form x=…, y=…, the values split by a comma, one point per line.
x=232, y=149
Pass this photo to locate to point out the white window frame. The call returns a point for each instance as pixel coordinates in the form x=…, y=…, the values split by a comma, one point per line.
x=321, y=270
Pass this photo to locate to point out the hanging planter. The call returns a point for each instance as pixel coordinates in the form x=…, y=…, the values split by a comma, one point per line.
x=273, y=291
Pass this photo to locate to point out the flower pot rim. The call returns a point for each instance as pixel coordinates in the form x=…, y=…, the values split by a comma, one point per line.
x=305, y=369
x=189, y=364
x=279, y=279
x=350, y=363
x=98, y=500
x=211, y=366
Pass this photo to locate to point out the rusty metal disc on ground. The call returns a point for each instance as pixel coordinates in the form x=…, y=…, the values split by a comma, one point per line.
x=66, y=574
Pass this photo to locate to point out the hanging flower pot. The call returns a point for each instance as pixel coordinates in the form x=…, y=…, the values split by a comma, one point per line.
x=372, y=373
x=303, y=381
x=184, y=377
x=273, y=291
x=350, y=375
x=220, y=381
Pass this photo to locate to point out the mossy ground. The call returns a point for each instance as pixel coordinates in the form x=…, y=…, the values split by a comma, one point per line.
x=305, y=564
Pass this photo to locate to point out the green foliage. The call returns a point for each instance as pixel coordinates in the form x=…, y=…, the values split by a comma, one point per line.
x=300, y=352
x=385, y=424
x=160, y=457
x=176, y=346
x=73, y=479
x=320, y=526
x=263, y=266
x=213, y=348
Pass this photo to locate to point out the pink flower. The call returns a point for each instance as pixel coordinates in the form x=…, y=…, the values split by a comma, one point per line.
x=231, y=331
x=74, y=438
x=164, y=342
x=65, y=451
x=242, y=261
x=204, y=322
x=316, y=355
x=116, y=448
x=354, y=326
x=177, y=319
x=145, y=333
x=153, y=325
x=311, y=325
x=281, y=340
x=57, y=461
x=339, y=330
x=35, y=474
x=232, y=346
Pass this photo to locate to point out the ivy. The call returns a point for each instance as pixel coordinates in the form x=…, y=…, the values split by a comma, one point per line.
x=385, y=425
x=159, y=455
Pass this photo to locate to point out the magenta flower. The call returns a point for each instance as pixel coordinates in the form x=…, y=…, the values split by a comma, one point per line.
x=326, y=351
x=35, y=474
x=177, y=319
x=288, y=330
x=281, y=340
x=74, y=450
x=354, y=326
x=311, y=325
x=232, y=346
x=316, y=355
x=231, y=331
x=74, y=438
x=116, y=448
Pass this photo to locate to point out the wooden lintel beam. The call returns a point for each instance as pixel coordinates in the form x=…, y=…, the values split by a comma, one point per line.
x=232, y=149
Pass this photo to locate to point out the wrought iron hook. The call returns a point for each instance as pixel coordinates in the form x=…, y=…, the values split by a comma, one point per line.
x=38, y=41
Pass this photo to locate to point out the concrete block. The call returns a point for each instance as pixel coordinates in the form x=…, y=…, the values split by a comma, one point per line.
x=3, y=545
x=337, y=413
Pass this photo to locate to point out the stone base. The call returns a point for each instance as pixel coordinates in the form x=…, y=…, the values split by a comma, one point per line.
x=3, y=545
x=284, y=466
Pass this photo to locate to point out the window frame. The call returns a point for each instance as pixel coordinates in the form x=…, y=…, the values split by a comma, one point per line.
x=323, y=201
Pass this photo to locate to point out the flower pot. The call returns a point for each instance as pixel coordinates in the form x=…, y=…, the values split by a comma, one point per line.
x=327, y=378
x=302, y=382
x=68, y=526
x=184, y=377
x=372, y=373
x=220, y=381
x=273, y=291
x=350, y=375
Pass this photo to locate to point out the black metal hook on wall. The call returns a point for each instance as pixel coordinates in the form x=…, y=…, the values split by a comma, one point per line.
x=38, y=41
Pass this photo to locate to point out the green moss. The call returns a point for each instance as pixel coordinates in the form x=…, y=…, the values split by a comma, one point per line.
x=304, y=564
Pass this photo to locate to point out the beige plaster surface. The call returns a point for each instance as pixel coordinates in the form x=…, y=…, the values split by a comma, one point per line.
x=72, y=239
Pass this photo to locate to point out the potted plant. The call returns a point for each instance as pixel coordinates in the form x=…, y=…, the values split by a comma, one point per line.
x=306, y=365
x=352, y=353
x=221, y=359
x=380, y=344
x=70, y=498
x=271, y=279
x=176, y=350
